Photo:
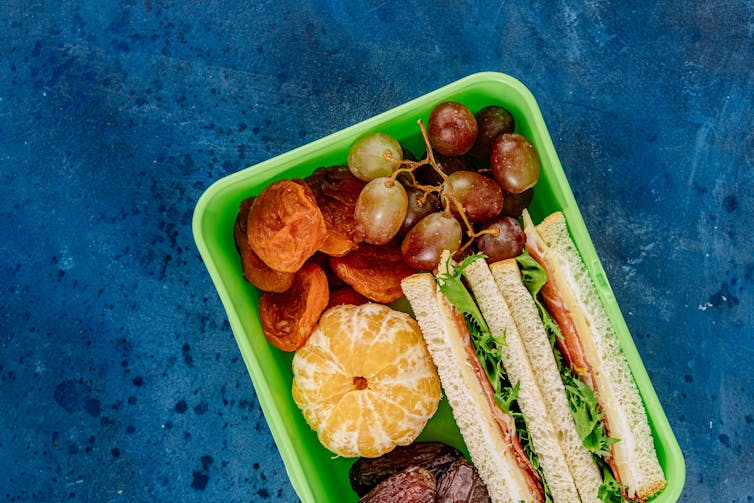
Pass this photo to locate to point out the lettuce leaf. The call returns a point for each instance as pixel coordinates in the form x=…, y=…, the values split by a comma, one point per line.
x=611, y=490
x=453, y=288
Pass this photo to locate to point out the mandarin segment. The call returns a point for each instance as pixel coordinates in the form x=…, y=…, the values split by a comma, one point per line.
x=365, y=381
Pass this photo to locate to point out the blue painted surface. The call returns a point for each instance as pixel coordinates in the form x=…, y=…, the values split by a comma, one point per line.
x=119, y=376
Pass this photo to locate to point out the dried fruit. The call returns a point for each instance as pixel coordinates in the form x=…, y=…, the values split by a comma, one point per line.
x=346, y=295
x=374, y=271
x=285, y=225
x=288, y=318
x=412, y=485
x=255, y=271
x=436, y=457
x=336, y=191
x=461, y=482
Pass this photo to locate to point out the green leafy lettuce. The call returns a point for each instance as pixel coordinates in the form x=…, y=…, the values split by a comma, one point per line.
x=487, y=348
x=582, y=401
x=610, y=490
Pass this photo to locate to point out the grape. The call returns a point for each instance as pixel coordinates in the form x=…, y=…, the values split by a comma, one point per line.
x=451, y=128
x=425, y=242
x=479, y=195
x=416, y=211
x=491, y=122
x=428, y=176
x=366, y=159
x=508, y=243
x=380, y=210
x=514, y=204
x=514, y=163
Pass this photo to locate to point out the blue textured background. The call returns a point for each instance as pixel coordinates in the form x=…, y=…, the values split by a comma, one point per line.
x=119, y=376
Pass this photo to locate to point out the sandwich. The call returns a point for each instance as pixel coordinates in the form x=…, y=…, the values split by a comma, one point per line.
x=595, y=371
x=534, y=429
x=512, y=435
x=468, y=359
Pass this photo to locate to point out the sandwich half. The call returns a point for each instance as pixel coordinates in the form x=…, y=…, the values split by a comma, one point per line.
x=588, y=346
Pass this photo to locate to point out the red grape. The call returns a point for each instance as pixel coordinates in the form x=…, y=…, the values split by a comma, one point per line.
x=514, y=204
x=425, y=242
x=451, y=128
x=480, y=196
x=508, y=242
x=492, y=121
x=514, y=163
x=417, y=211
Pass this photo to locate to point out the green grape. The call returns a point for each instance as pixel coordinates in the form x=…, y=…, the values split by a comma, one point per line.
x=380, y=210
x=366, y=159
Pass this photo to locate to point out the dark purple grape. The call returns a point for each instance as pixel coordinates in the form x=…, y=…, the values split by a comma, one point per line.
x=416, y=211
x=514, y=163
x=451, y=128
x=514, y=204
x=507, y=242
x=425, y=242
x=480, y=196
x=408, y=155
x=491, y=122
x=427, y=175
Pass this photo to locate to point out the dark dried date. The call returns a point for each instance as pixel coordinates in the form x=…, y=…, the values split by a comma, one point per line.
x=412, y=485
x=461, y=483
x=436, y=457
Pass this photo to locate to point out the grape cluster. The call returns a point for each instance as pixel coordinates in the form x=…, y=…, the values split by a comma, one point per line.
x=465, y=195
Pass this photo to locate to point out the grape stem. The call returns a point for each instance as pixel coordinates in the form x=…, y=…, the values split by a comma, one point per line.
x=444, y=190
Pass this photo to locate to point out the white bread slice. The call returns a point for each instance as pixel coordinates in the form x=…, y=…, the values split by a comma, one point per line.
x=584, y=470
x=635, y=454
x=540, y=423
x=488, y=451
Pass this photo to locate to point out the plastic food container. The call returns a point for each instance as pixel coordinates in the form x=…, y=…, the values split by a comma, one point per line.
x=316, y=474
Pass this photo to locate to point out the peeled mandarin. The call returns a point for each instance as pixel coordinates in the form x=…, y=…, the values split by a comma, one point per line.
x=365, y=381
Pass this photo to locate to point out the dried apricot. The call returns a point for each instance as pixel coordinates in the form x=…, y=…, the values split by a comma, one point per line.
x=255, y=271
x=374, y=271
x=346, y=295
x=336, y=191
x=285, y=225
x=288, y=318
